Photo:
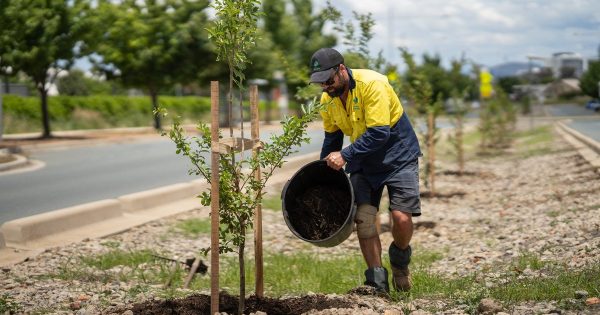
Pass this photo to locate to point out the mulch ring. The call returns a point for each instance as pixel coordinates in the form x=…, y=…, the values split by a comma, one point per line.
x=200, y=304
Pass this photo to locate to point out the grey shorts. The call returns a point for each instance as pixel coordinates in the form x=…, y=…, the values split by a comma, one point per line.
x=403, y=190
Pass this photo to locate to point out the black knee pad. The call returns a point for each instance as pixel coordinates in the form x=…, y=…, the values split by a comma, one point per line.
x=399, y=258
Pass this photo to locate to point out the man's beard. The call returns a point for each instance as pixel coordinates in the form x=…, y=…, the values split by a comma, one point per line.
x=336, y=92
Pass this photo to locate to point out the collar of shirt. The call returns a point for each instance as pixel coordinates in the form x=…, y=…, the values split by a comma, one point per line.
x=352, y=82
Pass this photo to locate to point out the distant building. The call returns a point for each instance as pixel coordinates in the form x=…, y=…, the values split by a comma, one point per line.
x=567, y=64
x=564, y=64
x=563, y=87
x=14, y=88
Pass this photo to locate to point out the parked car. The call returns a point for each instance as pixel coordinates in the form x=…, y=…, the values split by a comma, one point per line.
x=593, y=105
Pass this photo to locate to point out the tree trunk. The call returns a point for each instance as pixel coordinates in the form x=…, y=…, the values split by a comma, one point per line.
x=154, y=97
x=230, y=102
x=45, y=114
x=431, y=150
x=459, y=143
x=242, y=303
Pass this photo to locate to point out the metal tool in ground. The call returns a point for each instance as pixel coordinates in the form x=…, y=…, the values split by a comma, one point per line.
x=189, y=262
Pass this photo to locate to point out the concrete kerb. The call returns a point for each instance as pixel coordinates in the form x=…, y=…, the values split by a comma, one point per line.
x=588, y=148
x=19, y=161
x=19, y=232
x=156, y=197
x=26, y=236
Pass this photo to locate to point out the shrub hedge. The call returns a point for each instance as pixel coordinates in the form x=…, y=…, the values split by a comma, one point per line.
x=23, y=114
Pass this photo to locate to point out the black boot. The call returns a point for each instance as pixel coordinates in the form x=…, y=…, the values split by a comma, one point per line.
x=377, y=277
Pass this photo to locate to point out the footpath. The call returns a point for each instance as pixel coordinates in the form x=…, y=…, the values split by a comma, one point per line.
x=29, y=236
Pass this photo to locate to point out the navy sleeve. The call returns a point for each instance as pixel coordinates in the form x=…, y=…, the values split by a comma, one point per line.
x=370, y=141
x=333, y=142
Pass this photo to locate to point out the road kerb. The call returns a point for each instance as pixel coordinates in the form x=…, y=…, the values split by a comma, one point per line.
x=19, y=161
x=585, y=146
x=156, y=197
x=21, y=231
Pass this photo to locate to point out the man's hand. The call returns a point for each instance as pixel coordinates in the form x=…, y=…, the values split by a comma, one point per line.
x=335, y=160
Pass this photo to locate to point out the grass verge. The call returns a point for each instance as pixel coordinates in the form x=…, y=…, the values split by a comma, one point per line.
x=301, y=273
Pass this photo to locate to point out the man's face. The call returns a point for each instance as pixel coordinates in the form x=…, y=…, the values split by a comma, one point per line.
x=335, y=86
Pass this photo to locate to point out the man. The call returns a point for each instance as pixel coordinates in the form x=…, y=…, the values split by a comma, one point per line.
x=384, y=152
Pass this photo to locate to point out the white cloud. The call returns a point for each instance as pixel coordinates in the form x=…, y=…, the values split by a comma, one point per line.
x=489, y=32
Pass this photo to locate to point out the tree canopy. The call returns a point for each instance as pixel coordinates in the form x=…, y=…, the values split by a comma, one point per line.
x=39, y=36
x=151, y=44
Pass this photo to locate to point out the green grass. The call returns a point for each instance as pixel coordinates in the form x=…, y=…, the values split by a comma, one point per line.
x=302, y=272
x=533, y=142
x=271, y=203
x=527, y=143
x=193, y=227
x=119, y=258
x=8, y=305
x=528, y=260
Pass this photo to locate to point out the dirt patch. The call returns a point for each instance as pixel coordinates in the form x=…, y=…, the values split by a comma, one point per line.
x=200, y=304
x=320, y=212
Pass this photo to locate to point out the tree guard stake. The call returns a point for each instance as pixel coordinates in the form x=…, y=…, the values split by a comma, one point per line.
x=214, y=197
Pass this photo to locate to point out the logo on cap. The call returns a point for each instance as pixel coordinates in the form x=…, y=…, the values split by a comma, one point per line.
x=316, y=65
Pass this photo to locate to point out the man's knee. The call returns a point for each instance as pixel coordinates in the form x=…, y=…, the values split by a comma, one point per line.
x=401, y=218
x=365, y=221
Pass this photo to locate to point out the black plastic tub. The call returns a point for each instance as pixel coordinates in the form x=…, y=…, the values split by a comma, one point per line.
x=318, y=204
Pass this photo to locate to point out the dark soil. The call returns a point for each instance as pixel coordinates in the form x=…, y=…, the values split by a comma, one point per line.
x=200, y=304
x=320, y=211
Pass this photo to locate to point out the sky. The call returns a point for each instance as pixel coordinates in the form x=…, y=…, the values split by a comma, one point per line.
x=487, y=32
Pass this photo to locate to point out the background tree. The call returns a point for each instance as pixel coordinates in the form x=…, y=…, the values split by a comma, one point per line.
x=459, y=108
x=39, y=39
x=589, y=80
x=77, y=83
x=419, y=91
x=151, y=44
x=507, y=83
x=497, y=119
x=296, y=31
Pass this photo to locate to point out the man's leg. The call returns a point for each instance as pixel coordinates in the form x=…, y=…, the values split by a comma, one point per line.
x=368, y=238
x=370, y=246
x=403, y=189
x=400, y=251
x=402, y=228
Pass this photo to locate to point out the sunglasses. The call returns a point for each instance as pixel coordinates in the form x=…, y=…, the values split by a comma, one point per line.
x=332, y=78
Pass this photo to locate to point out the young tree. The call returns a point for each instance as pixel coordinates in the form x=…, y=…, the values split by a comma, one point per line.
x=39, y=39
x=459, y=108
x=234, y=32
x=151, y=44
x=419, y=91
x=497, y=121
x=457, y=116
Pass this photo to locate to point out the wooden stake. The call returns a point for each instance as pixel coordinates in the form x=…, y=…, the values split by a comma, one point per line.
x=214, y=197
x=258, y=249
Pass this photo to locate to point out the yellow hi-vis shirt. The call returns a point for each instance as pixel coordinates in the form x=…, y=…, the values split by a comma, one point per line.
x=371, y=103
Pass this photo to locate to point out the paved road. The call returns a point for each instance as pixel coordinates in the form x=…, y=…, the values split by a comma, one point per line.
x=79, y=175
x=583, y=120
